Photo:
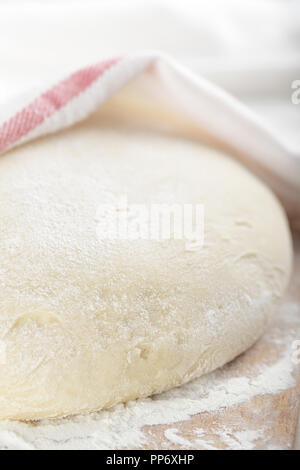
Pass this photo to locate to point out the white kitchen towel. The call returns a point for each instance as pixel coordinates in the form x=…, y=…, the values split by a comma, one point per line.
x=212, y=112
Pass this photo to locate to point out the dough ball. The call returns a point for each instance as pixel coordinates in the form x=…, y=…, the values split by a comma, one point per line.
x=86, y=322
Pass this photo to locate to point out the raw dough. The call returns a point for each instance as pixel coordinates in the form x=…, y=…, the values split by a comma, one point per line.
x=86, y=324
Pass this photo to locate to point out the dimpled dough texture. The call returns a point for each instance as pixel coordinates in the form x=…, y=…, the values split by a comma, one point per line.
x=85, y=323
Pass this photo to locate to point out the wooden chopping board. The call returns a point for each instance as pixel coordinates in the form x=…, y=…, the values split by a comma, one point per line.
x=269, y=421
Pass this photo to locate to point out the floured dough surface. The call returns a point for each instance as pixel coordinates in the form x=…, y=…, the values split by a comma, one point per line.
x=86, y=323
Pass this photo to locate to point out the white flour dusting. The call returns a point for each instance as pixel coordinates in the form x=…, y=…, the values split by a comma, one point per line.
x=123, y=426
x=172, y=435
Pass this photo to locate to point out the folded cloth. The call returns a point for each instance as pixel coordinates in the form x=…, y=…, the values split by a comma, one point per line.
x=164, y=94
